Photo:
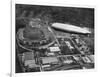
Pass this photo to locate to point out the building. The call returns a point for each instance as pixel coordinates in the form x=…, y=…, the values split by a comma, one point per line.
x=48, y=60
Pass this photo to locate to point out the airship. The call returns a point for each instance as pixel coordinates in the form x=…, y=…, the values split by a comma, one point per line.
x=70, y=28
